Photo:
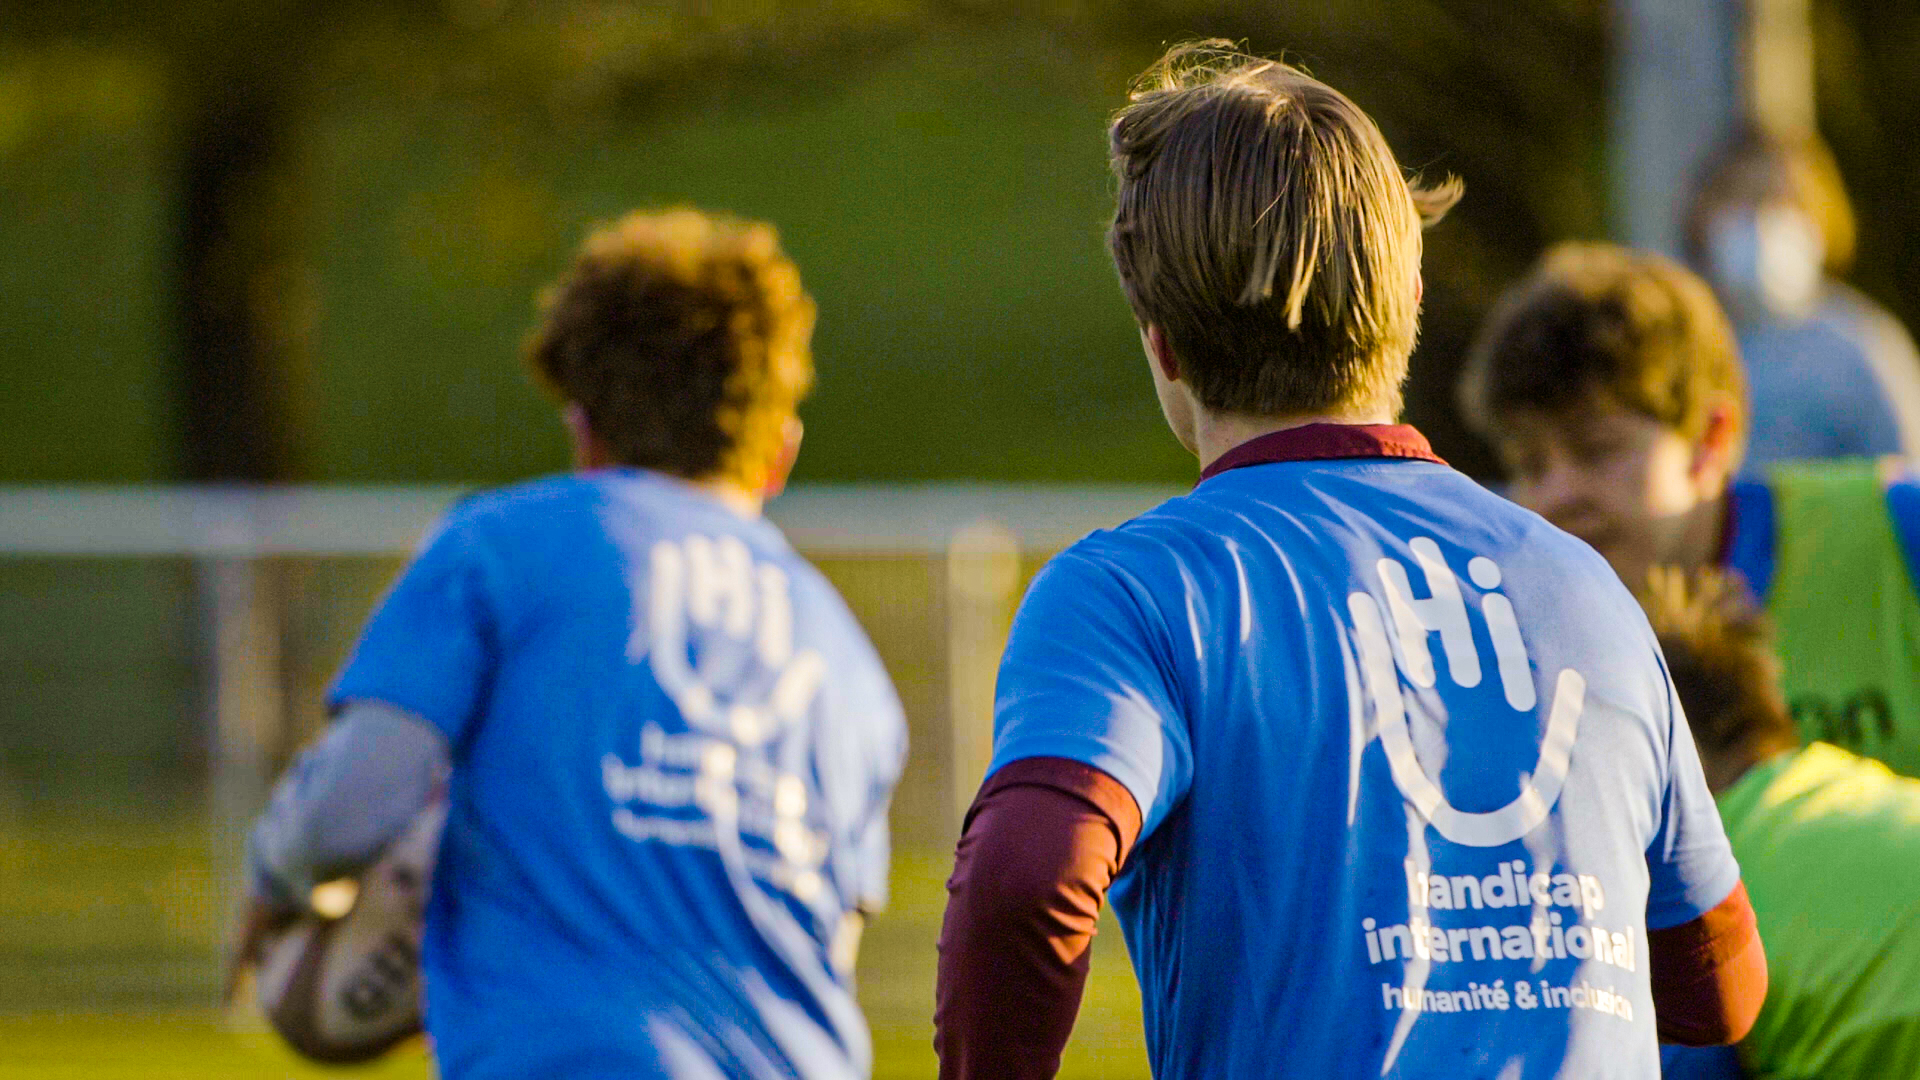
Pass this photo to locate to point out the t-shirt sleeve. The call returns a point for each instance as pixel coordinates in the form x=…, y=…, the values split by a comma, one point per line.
x=1088, y=675
x=1690, y=865
x=429, y=648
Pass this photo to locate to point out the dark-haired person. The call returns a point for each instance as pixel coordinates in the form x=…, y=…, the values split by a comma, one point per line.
x=1829, y=846
x=1610, y=384
x=1830, y=373
x=671, y=746
x=1384, y=773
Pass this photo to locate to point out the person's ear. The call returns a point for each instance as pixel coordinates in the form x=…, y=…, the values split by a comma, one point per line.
x=782, y=467
x=1419, y=288
x=1716, y=454
x=1162, y=354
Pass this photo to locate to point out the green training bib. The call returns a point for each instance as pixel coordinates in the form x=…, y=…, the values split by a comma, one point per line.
x=1846, y=620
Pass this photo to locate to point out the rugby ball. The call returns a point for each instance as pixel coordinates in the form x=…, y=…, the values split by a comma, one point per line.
x=341, y=984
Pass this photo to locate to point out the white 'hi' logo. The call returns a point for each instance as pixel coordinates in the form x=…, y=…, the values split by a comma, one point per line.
x=1444, y=612
x=712, y=585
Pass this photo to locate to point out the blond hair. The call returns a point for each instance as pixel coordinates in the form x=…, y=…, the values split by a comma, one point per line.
x=684, y=336
x=1264, y=226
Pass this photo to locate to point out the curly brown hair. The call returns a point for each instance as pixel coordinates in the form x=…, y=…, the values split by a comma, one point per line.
x=683, y=336
x=1719, y=654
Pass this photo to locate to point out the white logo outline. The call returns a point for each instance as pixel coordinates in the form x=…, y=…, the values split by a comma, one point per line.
x=1415, y=619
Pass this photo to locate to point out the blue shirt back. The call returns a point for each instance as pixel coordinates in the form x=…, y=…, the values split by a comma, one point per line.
x=1838, y=383
x=673, y=753
x=1413, y=778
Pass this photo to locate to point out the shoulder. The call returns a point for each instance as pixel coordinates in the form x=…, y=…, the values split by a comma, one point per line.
x=817, y=600
x=1169, y=544
x=1114, y=584
x=1821, y=791
x=530, y=503
x=1841, y=302
x=1902, y=482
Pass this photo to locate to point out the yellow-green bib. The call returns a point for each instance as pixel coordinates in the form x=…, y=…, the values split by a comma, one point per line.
x=1845, y=615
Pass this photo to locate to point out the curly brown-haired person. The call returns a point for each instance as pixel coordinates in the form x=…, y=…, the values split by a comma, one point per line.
x=671, y=746
x=1828, y=843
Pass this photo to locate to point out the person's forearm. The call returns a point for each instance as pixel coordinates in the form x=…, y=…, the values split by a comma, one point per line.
x=1043, y=842
x=346, y=798
x=1709, y=975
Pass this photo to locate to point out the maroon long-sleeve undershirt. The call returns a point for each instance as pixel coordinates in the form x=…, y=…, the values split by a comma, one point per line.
x=1709, y=975
x=1041, y=846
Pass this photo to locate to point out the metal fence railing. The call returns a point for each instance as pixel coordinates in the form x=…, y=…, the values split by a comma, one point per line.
x=168, y=647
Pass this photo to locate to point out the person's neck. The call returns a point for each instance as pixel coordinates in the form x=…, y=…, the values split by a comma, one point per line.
x=736, y=498
x=729, y=493
x=1216, y=433
x=1704, y=533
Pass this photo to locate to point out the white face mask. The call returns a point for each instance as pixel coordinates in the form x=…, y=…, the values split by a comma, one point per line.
x=1765, y=261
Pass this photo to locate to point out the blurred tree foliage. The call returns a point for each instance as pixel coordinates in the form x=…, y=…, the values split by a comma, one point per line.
x=1867, y=77
x=239, y=80
x=1511, y=96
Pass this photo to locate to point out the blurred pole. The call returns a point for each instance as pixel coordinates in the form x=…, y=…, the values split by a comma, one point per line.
x=983, y=579
x=243, y=649
x=1779, y=83
x=1685, y=72
x=1676, y=94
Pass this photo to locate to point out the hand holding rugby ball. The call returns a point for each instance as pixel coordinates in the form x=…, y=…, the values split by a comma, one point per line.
x=346, y=988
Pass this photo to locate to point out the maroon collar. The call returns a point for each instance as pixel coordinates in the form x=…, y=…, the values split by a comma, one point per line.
x=1322, y=442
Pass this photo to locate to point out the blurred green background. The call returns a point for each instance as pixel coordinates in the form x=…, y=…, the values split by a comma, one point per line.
x=300, y=241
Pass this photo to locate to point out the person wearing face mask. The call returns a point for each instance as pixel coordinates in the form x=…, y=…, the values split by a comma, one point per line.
x=1609, y=384
x=1829, y=372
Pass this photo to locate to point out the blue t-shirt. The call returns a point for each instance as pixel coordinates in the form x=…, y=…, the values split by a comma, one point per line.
x=673, y=751
x=1836, y=383
x=1413, y=778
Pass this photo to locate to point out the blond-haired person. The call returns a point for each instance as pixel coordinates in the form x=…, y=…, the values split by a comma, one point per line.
x=1383, y=773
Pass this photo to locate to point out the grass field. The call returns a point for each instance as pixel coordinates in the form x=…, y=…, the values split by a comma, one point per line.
x=160, y=1042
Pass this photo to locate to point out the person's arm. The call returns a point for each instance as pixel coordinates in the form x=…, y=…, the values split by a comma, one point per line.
x=412, y=689
x=1704, y=956
x=1709, y=975
x=1091, y=753
x=1042, y=844
x=346, y=798
x=344, y=801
